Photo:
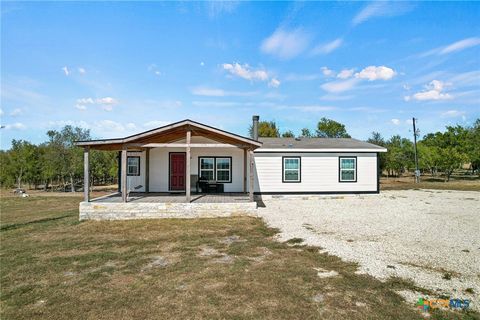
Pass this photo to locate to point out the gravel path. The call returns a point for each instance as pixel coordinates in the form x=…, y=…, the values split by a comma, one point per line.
x=415, y=234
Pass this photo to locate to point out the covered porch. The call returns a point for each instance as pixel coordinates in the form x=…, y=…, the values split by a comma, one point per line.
x=183, y=163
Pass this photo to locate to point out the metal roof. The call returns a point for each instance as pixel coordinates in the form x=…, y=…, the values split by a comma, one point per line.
x=324, y=144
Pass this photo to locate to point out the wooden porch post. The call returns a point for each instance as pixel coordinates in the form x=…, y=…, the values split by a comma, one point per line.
x=252, y=177
x=245, y=170
x=187, y=180
x=124, y=174
x=86, y=174
x=147, y=170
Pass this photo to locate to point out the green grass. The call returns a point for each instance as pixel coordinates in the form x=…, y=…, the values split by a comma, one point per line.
x=55, y=267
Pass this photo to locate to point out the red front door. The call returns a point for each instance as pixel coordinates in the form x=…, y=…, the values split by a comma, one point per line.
x=177, y=171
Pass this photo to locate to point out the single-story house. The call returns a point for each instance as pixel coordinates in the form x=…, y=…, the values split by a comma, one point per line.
x=192, y=167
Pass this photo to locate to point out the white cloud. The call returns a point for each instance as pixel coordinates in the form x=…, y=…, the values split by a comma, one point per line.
x=82, y=71
x=345, y=73
x=85, y=101
x=245, y=71
x=16, y=112
x=285, y=44
x=106, y=103
x=1, y=112
x=326, y=48
x=248, y=73
x=380, y=9
x=327, y=72
x=433, y=91
x=461, y=45
x=66, y=71
x=154, y=69
x=274, y=83
x=216, y=8
x=340, y=86
x=15, y=126
x=107, y=100
x=453, y=114
x=395, y=121
x=376, y=73
x=453, y=47
x=215, y=92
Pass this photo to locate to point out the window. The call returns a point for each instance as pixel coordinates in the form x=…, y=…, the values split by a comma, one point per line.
x=206, y=168
x=215, y=168
x=223, y=166
x=133, y=166
x=348, y=169
x=291, y=169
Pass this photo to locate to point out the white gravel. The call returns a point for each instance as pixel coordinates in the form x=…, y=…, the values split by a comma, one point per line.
x=413, y=234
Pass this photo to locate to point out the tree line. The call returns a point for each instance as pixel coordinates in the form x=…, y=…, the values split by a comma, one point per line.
x=439, y=152
x=55, y=164
x=58, y=165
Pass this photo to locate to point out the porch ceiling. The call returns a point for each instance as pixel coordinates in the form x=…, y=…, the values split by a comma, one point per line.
x=170, y=134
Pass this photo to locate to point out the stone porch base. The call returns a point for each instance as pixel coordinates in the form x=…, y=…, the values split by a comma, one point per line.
x=145, y=210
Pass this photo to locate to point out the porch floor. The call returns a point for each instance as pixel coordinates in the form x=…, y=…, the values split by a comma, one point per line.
x=164, y=197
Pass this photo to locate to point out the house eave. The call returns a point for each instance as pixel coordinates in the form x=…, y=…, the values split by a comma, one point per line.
x=312, y=150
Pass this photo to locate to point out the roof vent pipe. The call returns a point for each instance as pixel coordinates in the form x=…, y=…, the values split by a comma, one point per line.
x=255, y=127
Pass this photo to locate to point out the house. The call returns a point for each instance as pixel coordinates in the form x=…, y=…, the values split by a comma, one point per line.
x=225, y=171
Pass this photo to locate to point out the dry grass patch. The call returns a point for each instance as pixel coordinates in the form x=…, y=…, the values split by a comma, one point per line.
x=174, y=269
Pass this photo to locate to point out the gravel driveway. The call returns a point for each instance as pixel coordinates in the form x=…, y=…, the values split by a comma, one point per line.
x=421, y=235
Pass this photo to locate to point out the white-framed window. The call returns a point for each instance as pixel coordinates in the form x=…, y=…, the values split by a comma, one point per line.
x=348, y=169
x=224, y=167
x=291, y=169
x=133, y=166
x=206, y=167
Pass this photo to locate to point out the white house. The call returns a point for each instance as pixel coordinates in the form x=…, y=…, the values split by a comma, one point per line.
x=190, y=162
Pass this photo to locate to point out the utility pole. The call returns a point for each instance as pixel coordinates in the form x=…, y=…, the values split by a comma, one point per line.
x=415, y=133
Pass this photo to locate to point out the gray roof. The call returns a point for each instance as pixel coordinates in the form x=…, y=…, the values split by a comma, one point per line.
x=316, y=143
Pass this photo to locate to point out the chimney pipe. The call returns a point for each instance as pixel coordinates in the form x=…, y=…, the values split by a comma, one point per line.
x=255, y=127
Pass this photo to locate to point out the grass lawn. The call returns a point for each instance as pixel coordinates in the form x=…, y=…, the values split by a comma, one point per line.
x=55, y=267
x=469, y=183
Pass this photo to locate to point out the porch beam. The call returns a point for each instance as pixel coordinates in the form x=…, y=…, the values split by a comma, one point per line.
x=86, y=174
x=245, y=170
x=184, y=145
x=252, y=177
x=124, y=174
x=187, y=180
x=147, y=170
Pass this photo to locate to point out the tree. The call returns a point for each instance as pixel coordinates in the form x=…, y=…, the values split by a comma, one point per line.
x=21, y=164
x=450, y=159
x=288, y=134
x=400, y=155
x=327, y=128
x=266, y=129
x=306, y=133
x=377, y=139
x=71, y=159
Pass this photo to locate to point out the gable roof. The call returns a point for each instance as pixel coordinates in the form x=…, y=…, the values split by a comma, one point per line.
x=171, y=133
x=320, y=144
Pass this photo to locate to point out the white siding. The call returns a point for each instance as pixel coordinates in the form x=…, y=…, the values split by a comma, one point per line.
x=159, y=165
x=319, y=173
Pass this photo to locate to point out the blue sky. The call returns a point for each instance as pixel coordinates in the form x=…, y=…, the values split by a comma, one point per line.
x=119, y=68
